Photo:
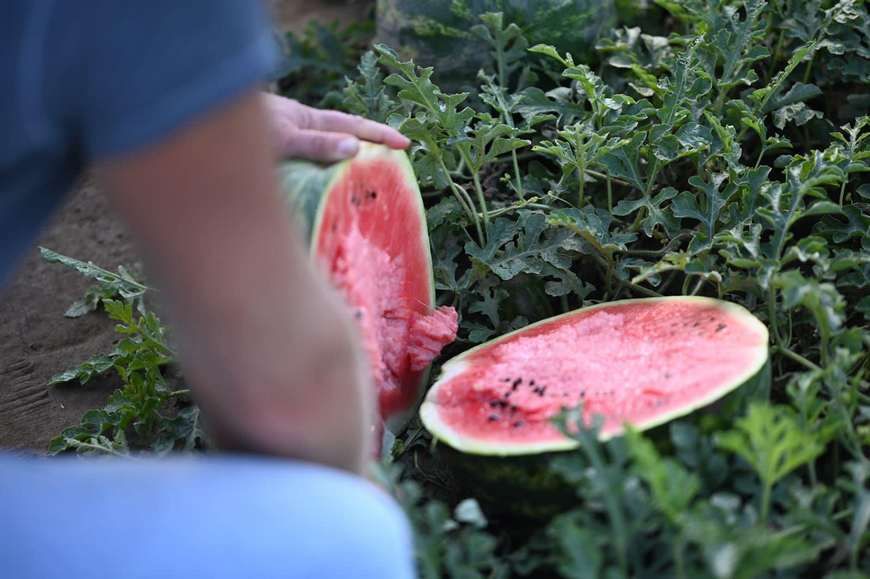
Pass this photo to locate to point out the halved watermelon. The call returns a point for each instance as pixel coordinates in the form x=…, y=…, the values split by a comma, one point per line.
x=366, y=226
x=641, y=362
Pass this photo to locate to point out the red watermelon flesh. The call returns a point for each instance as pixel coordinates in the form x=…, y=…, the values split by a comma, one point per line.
x=371, y=235
x=638, y=361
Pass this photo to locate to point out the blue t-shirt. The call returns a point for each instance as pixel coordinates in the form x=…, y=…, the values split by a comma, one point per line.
x=86, y=81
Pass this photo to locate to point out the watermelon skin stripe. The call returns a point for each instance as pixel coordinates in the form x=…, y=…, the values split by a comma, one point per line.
x=306, y=185
x=430, y=409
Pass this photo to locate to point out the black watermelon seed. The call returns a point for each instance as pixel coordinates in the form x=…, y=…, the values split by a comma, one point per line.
x=518, y=423
x=720, y=327
x=516, y=383
x=358, y=314
x=531, y=382
x=667, y=375
x=514, y=408
x=505, y=379
x=492, y=417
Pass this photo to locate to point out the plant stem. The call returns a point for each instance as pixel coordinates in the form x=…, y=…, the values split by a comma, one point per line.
x=600, y=175
x=517, y=176
x=765, y=502
x=609, y=195
x=809, y=68
x=611, y=500
x=626, y=284
x=530, y=202
x=506, y=115
x=481, y=201
x=638, y=220
x=652, y=178
x=98, y=447
x=777, y=54
x=580, y=160
x=796, y=357
x=771, y=313
x=465, y=201
x=672, y=244
x=679, y=561
x=472, y=214
x=760, y=156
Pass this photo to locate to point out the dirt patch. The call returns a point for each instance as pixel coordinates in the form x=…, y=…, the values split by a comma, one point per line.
x=36, y=340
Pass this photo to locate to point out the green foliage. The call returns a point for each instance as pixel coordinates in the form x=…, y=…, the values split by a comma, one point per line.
x=447, y=544
x=771, y=440
x=316, y=63
x=719, y=150
x=109, y=284
x=145, y=413
x=704, y=161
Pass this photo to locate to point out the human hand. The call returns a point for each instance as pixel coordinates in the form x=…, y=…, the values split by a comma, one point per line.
x=305, y=132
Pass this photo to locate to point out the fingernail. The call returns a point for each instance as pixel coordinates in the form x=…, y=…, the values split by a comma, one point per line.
x=347, y=147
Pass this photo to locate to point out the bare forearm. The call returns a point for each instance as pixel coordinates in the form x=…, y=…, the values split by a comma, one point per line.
x=271, y=359
x=270, y=355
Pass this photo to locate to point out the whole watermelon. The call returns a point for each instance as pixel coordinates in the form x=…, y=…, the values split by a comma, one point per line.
x=438, y=32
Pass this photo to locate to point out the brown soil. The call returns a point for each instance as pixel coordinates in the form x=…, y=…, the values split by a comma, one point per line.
x=36, y=340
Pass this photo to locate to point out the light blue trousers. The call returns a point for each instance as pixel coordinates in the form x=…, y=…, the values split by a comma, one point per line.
x=209, y=517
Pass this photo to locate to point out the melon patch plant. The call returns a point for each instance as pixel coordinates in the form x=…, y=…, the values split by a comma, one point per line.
x=704, y=153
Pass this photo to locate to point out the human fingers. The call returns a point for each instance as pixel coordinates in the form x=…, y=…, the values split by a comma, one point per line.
x=355, y=125
x=317, y=145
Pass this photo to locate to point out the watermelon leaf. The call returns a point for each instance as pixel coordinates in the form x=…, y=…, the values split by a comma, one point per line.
x=771, y=441
x=673, y=487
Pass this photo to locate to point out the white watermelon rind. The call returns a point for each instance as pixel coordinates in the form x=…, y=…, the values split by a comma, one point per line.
x=310, y=186
x=443, y=432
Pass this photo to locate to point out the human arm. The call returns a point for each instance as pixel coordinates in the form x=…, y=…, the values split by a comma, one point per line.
x=265, y=343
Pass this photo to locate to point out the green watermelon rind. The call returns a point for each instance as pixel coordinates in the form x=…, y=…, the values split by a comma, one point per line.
x=308, y=187
x=455, y=366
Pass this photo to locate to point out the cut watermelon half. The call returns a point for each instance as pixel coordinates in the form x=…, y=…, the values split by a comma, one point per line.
x=641, y=362
x=366, y=227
